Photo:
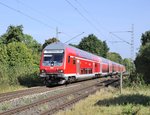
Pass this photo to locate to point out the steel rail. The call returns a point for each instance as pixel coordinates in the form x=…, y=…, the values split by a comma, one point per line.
x=49, y=99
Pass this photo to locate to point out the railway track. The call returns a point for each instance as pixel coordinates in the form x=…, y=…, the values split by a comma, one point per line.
x=61, y=100
x=85, y=93
x=16, y=94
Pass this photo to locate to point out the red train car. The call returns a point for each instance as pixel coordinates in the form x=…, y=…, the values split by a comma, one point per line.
x=62, y=63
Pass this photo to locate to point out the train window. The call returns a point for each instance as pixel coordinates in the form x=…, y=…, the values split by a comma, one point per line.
x=90, y=71
x=86, y=71
x=81, y=71
x=53, y=59
x=95, y=65
x=74, y=61
x=68, y=59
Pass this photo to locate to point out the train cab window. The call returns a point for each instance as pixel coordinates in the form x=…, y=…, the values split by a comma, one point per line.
x=53, y=58
x=68, y=59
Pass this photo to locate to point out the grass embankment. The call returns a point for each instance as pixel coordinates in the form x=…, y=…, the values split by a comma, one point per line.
x=109, y=101
x=8, y=88
x=24, y=83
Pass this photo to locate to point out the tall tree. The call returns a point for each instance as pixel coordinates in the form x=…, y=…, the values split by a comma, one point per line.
x=49, y=41
x=74, y=45
x=19, y=55
x=113, y=56
x=128, y=64
x=142, y=62
x=31, y=43
x=105, y=48
x=13, y=34
x=94, y=45
x=145, y=38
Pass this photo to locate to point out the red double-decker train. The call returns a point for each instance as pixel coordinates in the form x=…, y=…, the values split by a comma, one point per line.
x=61, y=63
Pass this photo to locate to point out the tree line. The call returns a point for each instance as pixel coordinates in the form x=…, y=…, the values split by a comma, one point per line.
x=142, y=61
x=20, y=55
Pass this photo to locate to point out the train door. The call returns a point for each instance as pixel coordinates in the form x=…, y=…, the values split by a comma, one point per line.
x=93, y=67
x=78, y=67
x=110, y=67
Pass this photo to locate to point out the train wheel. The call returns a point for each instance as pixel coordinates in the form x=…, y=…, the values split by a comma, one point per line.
x=71, y=79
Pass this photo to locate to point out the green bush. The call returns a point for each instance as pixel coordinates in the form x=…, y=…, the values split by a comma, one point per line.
x=19, y=57
x=19, y=61
x=18, y=64
x=3, y=64
x=134, y=80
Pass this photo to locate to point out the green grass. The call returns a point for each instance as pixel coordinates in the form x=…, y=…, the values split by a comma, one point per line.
x=133, y=101
x=27, y=81
x=8, y=88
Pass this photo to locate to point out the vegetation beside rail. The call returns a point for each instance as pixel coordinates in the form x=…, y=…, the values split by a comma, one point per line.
x=133, y=101
x=19, y=59
x=20, y=55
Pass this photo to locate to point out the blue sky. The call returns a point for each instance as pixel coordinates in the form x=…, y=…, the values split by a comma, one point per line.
x=107, y=16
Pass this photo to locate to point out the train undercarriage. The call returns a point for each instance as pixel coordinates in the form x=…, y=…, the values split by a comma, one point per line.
x=56, y=79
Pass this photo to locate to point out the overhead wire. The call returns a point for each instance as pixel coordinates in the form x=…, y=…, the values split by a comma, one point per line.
x=39, y=12
x=92, y=18
x=120, y=38
x=32, y=18
x=47, y=25
x=115, y=42
x=84, y=17
x=26, y=15
x=74, y=37
x=90, y=15
x=99, y=23
x=43, y=14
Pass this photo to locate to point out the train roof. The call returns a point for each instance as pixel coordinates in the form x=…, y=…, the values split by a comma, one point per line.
x=85, y=54
x=56, y=45
x=82, y=53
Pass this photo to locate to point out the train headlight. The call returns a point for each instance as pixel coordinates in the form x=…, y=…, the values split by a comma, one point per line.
x=42, y=71
x=60, y=71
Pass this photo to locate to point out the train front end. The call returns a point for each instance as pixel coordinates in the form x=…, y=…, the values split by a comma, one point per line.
x=52, y=66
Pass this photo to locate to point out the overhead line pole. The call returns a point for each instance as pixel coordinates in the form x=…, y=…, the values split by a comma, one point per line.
x=57, y=32
x=131, y=43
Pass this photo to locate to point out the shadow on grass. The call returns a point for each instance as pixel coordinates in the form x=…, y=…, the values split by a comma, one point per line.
x=31, y=80
x=135, y=99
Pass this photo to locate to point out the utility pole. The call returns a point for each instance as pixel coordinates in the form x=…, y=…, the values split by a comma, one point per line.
x=132, y=45
x=57, y=32
x=121, y=83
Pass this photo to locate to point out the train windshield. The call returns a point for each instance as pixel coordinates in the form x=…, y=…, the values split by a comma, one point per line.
x=53, y=58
